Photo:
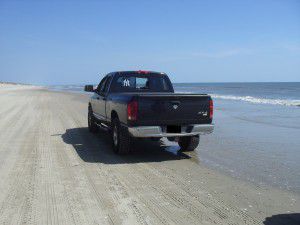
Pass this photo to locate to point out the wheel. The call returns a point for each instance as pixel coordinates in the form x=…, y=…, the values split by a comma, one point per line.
x=121, y=140
x=92, y=122
x=189, y=143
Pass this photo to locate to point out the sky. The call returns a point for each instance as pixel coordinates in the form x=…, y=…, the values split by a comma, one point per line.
x=78, y=42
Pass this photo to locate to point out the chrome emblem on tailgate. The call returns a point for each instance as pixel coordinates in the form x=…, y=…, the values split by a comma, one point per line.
x=175, y=104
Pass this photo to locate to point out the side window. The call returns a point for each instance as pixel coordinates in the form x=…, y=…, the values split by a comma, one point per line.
x=107, y=83
x=101, y=85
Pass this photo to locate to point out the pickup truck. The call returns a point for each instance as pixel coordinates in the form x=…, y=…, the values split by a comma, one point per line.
x=142, y=104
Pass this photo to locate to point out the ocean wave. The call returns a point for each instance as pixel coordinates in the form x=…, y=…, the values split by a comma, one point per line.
x=286, y=102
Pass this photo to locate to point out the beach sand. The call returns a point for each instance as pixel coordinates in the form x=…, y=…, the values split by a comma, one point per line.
x=53, y=171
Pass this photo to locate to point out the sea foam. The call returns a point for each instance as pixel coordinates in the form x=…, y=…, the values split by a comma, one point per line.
x=286, y=102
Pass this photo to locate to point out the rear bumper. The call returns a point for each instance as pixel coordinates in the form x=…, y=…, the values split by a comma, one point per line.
x=157, y=131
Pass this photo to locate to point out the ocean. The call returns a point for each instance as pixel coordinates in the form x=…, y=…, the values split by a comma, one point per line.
x=261, y=93
x=257, y=131
x=275, y=93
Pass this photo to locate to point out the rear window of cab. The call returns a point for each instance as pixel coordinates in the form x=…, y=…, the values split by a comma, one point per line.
x=141, y=83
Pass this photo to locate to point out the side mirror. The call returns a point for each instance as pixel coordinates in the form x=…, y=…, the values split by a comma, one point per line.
x=89, y=88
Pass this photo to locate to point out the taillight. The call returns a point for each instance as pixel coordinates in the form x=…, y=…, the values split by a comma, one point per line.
x=132, y=110
x=211, y=109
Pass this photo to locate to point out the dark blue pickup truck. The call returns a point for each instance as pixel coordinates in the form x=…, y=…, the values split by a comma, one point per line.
x=142, y=104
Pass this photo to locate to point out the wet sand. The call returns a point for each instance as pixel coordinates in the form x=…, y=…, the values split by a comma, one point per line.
x=255, y=142
x=53, y=171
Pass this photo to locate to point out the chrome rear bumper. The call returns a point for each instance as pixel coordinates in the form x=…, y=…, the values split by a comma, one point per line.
x=157, y=131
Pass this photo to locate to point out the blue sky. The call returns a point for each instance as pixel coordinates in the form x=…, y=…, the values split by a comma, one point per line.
x=73, y=42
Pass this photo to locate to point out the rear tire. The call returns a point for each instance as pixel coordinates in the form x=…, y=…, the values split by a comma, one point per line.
x=93, y=128
x=121, y=140
x=189, y=143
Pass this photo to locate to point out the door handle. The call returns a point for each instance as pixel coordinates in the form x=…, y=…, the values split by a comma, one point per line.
x=97, y=98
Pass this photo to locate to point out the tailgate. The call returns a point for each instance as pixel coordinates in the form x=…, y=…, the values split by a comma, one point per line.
x=173, y=109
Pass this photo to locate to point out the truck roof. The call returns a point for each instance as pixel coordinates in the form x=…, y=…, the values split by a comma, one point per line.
x=139, y=72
